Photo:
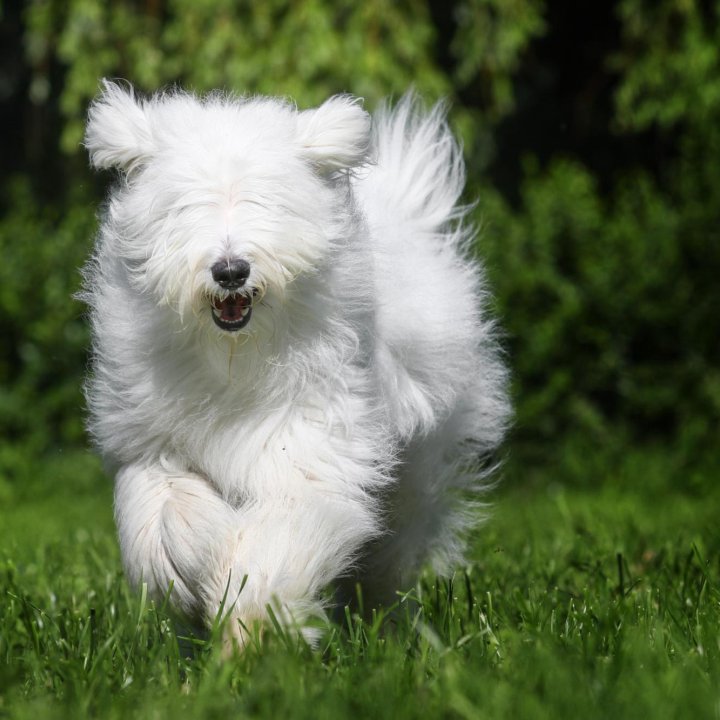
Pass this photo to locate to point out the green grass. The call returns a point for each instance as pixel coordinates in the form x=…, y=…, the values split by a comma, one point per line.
x=599, y=600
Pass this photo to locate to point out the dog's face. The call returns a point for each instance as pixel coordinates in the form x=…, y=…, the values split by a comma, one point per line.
x=224, y=201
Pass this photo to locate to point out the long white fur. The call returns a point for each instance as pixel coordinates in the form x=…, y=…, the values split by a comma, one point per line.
x=335, y=436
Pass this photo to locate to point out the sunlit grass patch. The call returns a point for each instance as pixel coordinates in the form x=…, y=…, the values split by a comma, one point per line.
x=580, y=602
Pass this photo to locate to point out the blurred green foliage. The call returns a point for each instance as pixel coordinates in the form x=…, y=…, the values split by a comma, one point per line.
x=595, y=160
x=306, y=50
x=611, y=306
x=44, y=337
x=670, y=63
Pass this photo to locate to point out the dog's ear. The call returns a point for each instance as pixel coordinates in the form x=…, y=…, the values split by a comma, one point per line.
x=118, y=129
x=335, y=136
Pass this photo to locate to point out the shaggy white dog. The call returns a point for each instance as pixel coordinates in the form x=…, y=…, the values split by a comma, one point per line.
x=293, y=378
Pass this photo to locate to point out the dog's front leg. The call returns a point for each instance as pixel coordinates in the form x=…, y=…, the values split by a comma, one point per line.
x=175, y=532
x=289, y=549
x=277, y=552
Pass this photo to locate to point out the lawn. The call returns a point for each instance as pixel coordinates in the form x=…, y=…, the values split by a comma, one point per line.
x=593, y=599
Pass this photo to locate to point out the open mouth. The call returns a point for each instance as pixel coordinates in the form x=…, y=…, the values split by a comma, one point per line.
x=233, y=312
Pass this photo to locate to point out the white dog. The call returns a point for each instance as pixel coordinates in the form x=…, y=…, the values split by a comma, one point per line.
x=293, y=377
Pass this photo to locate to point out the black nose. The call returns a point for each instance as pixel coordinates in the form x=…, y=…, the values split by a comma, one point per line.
x=230, y=274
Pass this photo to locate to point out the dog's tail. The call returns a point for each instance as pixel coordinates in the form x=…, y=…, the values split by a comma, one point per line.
x=418, y=173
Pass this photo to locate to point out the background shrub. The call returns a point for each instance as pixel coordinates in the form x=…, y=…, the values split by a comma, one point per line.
x=592, y=138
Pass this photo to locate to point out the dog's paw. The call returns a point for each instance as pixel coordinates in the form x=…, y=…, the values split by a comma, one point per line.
x=239, y=634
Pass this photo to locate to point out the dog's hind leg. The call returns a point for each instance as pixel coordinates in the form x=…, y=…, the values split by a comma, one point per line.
x=439, y=498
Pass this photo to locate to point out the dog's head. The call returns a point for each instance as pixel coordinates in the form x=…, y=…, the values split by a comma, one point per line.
x=224, y=201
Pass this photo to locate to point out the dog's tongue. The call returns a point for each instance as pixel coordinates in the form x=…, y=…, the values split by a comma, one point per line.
x=231, y=307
